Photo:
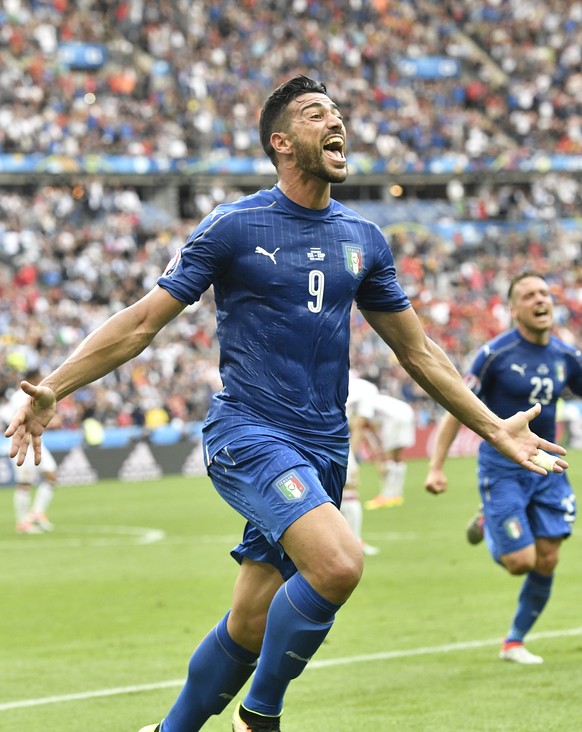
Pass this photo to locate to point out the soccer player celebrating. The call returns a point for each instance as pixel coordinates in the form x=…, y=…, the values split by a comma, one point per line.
x=523, y=517
x=286, y=265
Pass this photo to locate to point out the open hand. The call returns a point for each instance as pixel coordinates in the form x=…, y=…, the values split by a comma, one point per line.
x=30, y=421
x=517, y=442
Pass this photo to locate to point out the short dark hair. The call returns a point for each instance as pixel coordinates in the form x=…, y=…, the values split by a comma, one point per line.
x=522, y=276
x=276, y=105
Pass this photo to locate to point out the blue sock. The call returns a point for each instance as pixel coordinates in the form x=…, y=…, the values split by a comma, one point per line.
x=534, y=594
x=298, y=621
x=217, y=671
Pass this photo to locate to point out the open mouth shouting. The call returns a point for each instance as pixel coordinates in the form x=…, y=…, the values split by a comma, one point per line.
x=334, y=148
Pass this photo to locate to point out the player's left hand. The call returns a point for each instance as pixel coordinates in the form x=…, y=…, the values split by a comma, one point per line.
x=517, y=442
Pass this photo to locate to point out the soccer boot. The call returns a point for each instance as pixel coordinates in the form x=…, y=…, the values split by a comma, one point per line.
x=474, y=528
x=40, y=520
x=368, y=550
x=383, y=502
x=26, y=527
x=151, y=728
x=518, y=653
x=261, y=724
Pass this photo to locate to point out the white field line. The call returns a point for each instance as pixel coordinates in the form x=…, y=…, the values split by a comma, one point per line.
x=108, y=536
x=314, y=665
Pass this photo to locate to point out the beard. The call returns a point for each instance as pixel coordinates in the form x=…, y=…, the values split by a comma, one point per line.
x=311, y=160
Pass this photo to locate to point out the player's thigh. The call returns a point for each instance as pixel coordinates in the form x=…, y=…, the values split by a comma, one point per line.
x=47, y=464
x=324, y=549
x=505, y=503
x=552, y=510
x=28, y=473
x=272, y=484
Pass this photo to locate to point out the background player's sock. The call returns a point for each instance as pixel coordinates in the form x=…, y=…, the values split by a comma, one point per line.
x=533, y=596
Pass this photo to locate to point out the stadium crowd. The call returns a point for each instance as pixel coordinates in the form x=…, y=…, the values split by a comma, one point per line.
x=67, y=263
x=187, y=78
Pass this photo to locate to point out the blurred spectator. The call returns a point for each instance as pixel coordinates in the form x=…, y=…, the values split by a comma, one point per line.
x=176, y=79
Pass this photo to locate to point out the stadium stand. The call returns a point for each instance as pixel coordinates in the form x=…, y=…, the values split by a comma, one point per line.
x=481, y=102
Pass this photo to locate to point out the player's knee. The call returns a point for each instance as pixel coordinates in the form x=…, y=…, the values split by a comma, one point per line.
x=518, y=565
x=340, y=575
x=547, y=563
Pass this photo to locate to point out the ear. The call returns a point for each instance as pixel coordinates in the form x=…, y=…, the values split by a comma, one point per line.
x=281, y=143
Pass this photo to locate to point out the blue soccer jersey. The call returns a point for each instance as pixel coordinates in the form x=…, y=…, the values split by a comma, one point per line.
x=511, y=374
x=284, y=280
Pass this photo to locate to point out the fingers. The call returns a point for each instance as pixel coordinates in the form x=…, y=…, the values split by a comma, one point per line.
x=435, y=485
x=28, y=388
x=542, y=463
x=552, y=447
x=37, y=446
x=550, y=463
x=19, y=446
x=533, y=412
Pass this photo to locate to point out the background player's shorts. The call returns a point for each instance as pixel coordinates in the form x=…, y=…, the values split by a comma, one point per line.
x=521, y=506
x=353, y=470
x=397, y=423
x=272, y=484
x=29, y=473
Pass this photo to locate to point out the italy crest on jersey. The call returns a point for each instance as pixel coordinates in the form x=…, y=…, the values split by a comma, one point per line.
x=354, y=258
x=291, y=487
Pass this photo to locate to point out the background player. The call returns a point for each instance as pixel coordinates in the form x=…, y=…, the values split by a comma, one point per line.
x=395, y=431
x=31, y=514
x=524, y=517
x=360, y=413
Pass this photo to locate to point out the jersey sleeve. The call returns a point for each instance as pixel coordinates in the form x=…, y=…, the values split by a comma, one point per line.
x=380, y=289
x=575, y=372
x=477, y=373
x=196, y=265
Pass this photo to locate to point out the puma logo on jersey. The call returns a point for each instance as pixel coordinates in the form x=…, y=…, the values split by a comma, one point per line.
x=520, y=369
x=271, y=255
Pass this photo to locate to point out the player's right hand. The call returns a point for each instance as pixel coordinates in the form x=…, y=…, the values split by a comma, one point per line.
x=30, y=421
x=436, y=481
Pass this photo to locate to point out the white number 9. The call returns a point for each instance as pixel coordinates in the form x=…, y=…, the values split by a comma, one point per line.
x=316, y=287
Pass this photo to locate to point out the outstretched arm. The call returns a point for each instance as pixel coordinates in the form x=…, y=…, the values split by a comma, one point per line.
x=429, y=366
x=122, y=337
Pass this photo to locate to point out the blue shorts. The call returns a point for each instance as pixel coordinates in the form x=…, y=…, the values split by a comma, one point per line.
x=520, y=507
x=272, y=483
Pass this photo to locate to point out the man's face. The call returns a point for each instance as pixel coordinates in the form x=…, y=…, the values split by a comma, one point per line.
x=532, y=306
x=319, y=137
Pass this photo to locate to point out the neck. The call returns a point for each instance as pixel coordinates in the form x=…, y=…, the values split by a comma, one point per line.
x=538, y=337
x=306, y=191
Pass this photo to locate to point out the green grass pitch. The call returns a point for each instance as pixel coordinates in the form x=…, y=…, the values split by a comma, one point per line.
x=98, y=620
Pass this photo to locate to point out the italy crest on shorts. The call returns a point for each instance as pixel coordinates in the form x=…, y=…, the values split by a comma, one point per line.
x=354, y=259
x=513, y=528
x=291, y=487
